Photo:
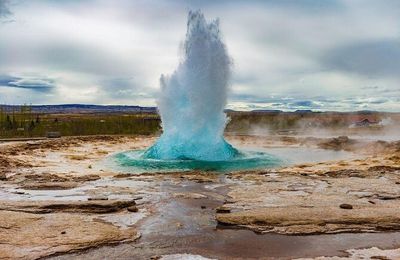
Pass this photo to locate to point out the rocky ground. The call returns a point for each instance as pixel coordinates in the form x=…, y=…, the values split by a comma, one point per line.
x=359, y=195
x=53, y=201
x=59, y=197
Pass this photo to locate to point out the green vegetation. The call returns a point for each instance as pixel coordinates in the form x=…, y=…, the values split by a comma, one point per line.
x=23, y=122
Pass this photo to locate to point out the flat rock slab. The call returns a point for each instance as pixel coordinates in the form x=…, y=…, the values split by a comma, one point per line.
x=31, y=236
x=93, y=206
x=297, y=220
x=66, y=185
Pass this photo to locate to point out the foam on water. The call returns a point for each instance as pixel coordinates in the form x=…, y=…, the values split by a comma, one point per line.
x=193, y=98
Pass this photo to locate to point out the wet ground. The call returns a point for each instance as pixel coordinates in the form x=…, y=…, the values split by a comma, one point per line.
x=187, y=225
x=57, y=185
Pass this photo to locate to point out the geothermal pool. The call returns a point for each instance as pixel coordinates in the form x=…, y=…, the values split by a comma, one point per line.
x=135, y=161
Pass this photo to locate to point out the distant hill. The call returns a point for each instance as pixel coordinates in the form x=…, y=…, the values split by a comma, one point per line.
x=93, y=109
x=81, y=108
x=267, y=111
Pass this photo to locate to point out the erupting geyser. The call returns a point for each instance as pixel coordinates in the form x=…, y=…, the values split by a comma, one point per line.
x=193, y=98
x=191, y=105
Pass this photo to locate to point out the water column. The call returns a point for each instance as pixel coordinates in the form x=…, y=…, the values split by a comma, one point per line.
x=192, y=99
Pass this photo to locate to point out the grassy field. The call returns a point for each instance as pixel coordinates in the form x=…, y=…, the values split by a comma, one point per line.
x=22, y=122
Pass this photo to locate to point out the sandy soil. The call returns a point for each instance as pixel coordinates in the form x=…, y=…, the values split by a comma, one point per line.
x=58, y=196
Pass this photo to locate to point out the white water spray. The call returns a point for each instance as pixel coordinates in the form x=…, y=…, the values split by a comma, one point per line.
x=193, y=98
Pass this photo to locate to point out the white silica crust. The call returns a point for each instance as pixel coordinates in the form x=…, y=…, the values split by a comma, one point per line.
x=185, y=257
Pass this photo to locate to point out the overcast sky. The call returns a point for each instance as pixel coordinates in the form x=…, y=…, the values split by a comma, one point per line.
x=301, y=54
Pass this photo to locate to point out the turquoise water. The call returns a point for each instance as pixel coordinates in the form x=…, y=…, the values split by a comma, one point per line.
x=175, y=148
x=137, y=161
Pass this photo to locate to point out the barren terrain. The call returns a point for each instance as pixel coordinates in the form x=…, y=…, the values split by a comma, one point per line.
x=61, y=196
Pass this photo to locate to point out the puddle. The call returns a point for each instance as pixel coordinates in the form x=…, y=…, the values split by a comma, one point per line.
x=80, y=193
x=300, y=155
x=124, y=220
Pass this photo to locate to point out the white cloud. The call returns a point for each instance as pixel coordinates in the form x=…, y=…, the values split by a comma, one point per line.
x=113, y=52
